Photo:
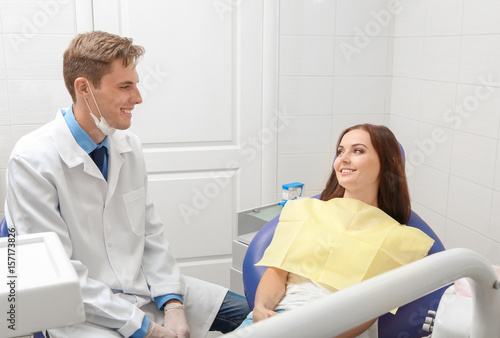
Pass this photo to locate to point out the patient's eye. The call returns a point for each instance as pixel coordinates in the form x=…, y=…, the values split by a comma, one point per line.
x=340, y=151
x=358, y=151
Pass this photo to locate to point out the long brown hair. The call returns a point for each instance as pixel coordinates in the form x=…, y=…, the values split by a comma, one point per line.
x=393, y=195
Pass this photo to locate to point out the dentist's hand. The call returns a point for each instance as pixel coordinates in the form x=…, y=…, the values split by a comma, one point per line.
x=175, y=319
x=158, y=331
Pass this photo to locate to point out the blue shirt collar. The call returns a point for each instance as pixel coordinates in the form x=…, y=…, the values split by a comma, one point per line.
x=82, y=138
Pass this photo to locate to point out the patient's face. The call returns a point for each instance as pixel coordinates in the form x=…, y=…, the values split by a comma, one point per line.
x=357, y=165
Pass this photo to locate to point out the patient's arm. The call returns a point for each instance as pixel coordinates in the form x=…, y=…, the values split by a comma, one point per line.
x=271, y=289
x=357, y=330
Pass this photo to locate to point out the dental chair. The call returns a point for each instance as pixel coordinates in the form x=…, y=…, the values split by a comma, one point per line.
x=4, y=232
x=408, y=320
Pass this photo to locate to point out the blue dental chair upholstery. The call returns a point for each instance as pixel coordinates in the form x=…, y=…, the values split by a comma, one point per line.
x=408, y=320
x=4, y=232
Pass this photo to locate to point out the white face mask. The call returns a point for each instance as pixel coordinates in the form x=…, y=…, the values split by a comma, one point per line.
x=101, y=123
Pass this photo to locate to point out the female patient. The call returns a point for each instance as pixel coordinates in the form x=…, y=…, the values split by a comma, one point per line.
x=352, y=233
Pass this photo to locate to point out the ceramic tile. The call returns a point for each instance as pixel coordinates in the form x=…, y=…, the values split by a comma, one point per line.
x=310, y=55
x=27, y=18
x=469, y=204
x=480, y=60
x=20, y=131
x=434, y=146
x=462, y=237
x=437, y=103
x=5, y=145
x=405, y=98
x=485, y=12
x=410, y=21
x=3, y=71
x=408, y=57
x=368, y=18
x=306, y=95
x=497, y=169
x=359, y=95
x=311, y=169
x=36, y=102
x=443, y=17
x=406, y=131
x=4, y=108
x=305, y=134
x=495, y=217
x=477, y=110
x=431, y=188
x=369, y=59
x=307, y=17
x=436, y=222
x=440, y=58
x=473, y=158
x=48, y=48
x=340, y=122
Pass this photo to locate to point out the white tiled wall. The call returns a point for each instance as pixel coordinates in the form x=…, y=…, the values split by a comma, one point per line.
x=431, y=71
x=450, y=85
x=33, y=36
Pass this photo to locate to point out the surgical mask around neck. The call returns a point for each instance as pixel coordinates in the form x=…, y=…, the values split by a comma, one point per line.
x=101, y=123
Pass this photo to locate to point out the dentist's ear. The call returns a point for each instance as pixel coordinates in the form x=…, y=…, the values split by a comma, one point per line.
x=82, y=87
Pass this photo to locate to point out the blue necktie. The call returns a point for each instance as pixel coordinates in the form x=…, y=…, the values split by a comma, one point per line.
x=98, y=156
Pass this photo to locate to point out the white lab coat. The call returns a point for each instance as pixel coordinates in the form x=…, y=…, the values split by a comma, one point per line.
x=110, y=230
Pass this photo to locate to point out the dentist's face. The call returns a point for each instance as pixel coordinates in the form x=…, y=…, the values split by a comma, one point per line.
x=117, y=95
x=357, y=165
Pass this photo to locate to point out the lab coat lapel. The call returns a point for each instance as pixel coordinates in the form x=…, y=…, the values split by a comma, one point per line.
x=117, y=146
x=69, y=150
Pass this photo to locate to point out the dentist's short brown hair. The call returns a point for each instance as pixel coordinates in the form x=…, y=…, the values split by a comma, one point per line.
x=90, y=55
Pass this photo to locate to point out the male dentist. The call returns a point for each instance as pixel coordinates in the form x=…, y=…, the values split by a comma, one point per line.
x=83, y=177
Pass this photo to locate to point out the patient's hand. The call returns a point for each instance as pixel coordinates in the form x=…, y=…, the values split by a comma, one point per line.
x=260, y=313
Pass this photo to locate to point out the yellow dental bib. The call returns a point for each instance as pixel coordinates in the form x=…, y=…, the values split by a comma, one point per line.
x=341, y=242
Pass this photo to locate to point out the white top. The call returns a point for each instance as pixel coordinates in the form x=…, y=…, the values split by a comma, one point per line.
x=300, y=291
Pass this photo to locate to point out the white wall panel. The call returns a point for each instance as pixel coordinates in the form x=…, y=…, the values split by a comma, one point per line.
x=194, y=207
